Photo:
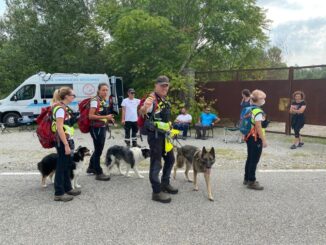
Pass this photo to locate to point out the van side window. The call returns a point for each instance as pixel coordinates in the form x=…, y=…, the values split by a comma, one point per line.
x=47, y=90
x=26, y=93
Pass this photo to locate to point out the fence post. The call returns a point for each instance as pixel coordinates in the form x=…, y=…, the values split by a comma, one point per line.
x=288, y=122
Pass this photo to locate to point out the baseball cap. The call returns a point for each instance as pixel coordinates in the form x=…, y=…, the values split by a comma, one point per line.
x=162, y=80
x=131, y=90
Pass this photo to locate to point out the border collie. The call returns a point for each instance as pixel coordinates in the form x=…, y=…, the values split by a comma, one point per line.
x=130, y=156
x=48, y=165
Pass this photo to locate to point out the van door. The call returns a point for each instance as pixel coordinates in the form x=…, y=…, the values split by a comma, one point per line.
x=21, y=102
x=116, y=86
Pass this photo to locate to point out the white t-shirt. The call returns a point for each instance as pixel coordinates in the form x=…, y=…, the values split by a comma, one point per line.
x=131, y=109
x=60, y=113
x=184, y=118
x=94, y=103
x=259, y=117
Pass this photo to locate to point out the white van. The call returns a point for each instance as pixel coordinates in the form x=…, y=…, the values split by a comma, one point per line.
x=36, y=92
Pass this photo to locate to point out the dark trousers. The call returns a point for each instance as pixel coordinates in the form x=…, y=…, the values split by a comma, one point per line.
x=254, y=149
x=98, y=136
x=183, y=127
x=62, y=181
x=201, y=130
x=157, y=151
x=131, y=126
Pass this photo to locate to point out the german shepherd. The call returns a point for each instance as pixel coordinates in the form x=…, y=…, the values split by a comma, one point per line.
x=200, y=160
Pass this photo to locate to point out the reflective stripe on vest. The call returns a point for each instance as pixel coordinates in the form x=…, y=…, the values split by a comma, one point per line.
x=66, y=128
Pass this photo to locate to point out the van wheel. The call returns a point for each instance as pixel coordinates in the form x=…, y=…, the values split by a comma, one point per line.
x=10, y=119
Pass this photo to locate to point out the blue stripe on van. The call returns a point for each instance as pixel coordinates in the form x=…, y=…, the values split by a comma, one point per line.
x=48, y=104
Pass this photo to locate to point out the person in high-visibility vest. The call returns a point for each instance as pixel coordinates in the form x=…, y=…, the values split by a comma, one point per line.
x=256, y=139
x=62, y=125
x=158, y=125
x=99, y=114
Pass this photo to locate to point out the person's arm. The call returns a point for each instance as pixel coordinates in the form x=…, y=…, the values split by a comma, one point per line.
x=62, y=135
x=260, y=133
x=92, y=115
x=147, y=105
x=123, y=116
x=216, y=120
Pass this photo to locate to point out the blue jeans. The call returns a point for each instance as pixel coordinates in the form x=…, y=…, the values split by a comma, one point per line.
x=157, y=151
x=184, y=127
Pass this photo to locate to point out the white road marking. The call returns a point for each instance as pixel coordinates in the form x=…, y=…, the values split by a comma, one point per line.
x=182, y=171
x=291, y=170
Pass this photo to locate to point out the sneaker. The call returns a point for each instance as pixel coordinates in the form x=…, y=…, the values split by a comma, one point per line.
x=90, y=171
x=184, y=137
x=300, y=144
x=102, y=177
x=254, y=185
x=73, y=192
x=169, y=189
x=63, y=198
x=161, y=197
x=293, y=147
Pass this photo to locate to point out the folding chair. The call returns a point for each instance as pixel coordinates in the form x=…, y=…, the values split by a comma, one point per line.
x=232, y=134
x=26, y=121
x=209, y=132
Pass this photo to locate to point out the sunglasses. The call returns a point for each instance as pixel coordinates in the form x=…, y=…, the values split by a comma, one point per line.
x=164, y=85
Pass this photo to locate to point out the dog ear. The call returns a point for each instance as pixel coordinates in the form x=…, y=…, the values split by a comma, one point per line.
x=204, y=149
x=212, y=152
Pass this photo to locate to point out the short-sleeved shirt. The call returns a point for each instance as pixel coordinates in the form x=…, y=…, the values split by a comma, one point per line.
x=298, y=118
x=184, y=118
x=131, y=109
x=245, y=104
x=207, y=118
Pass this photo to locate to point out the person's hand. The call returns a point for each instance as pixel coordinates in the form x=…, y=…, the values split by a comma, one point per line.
x=213, y=124
x=148, y=102
x=264, y=144
x=110, y=117
x=67, y=149
x=123, y=122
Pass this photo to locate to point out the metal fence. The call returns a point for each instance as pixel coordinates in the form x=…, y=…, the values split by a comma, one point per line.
x=277, y=83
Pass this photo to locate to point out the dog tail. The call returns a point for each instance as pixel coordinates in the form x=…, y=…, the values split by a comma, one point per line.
x=39, y=166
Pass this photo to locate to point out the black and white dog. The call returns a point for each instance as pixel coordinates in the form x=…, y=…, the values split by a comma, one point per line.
x=130, y=156
x=48, y=165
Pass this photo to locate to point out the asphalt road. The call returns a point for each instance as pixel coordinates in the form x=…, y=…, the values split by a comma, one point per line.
x=291, y=210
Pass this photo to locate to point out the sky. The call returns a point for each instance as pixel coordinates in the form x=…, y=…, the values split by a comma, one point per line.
x=298, y=27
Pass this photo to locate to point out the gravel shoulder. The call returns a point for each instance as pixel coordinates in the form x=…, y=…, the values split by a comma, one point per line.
x=21, y=150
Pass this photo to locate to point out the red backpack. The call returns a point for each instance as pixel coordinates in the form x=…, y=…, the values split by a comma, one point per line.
x=83, y=121
x=44, y=132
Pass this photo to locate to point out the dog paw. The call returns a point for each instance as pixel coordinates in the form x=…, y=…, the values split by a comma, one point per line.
x=44, y=186
x=190, y=180
x=140, y=177
x=78, y=186
x=195, y=189
x=211, y=199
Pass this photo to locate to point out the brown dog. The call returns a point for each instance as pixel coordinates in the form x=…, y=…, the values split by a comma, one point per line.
x=200, y=160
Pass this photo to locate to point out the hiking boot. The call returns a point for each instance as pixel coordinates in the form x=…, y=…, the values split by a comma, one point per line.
x=293, y=147
x=90, y=171
x=161, y=197
x=63, y=198
x=169, y=189
x=245, y=182
x=73, y=192
x=102, y=177
x=254, y=185
x=300, y=144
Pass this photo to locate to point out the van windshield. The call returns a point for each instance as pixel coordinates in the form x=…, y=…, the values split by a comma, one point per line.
x=26, y=92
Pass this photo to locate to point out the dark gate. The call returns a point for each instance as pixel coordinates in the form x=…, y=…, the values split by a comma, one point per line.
x=277, y=83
